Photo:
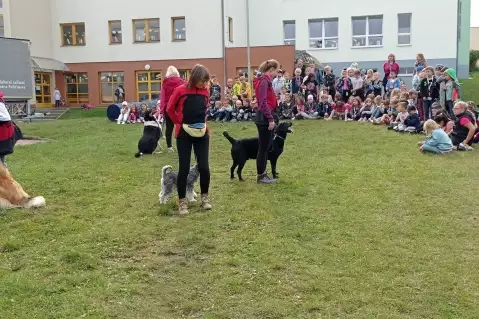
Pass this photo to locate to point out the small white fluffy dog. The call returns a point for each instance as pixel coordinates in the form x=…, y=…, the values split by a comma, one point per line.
x=168, y=183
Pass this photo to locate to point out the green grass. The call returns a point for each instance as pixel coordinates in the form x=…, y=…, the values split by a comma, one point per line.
x=470, y=88
x=361, y=226
x=78, y=113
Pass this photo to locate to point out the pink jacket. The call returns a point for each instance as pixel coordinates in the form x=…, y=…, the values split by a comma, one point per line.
x=390, y=67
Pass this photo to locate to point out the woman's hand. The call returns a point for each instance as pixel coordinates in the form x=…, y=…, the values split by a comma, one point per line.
x=271, y=126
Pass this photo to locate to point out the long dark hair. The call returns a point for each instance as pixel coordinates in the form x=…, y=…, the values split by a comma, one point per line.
x=198, y=74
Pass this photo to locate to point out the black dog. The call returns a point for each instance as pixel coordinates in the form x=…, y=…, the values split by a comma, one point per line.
x=151, y=135
x=245, y=149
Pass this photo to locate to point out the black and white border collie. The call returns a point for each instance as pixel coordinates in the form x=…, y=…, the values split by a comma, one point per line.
x=152, y=134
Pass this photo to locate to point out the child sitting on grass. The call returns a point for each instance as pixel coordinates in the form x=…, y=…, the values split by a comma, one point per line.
x=438, y=142
x=398, y=125
x=143, y=109
x=412, y=122
x=286, y=108
x=366, y=110
x=324, y=106
x=299, y=107
x=355, y=103
x=213, y=110
x=124, y=113
x=389, y=113
x=310, y=108
x=133, y=117
x=378, y=108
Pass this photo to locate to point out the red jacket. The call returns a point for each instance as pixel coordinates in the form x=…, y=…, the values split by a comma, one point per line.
x=387, y=69
x=265, y=95
x=167, y=88
x=188, y=106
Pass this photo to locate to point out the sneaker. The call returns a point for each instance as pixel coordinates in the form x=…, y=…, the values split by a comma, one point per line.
x=183, y=207
x=205, y=202
x=122, y=122
x=264, y=179
x=171, y=150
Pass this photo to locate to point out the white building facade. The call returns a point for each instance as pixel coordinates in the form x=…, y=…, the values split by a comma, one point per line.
x=108, y=43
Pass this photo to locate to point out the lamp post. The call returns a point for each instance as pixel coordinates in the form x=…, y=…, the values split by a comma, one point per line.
x=248, y=51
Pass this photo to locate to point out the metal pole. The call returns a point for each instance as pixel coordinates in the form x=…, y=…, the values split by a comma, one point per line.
x=248, y=51
x=223, y=41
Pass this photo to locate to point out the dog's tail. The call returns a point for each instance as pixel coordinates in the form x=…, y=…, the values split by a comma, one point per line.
x=139, y=154
x=228, y=136
x=165, y=168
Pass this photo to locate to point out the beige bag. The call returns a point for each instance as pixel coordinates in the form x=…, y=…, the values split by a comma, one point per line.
x=193, y=131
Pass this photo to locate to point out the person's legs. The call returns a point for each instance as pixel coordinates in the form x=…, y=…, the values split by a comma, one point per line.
x=449, y=106
x=265, y=137
x=431, y=149
x=169, y=131
x=427, y=109
x=2, y=159
x=183, y=144
x=201, y=147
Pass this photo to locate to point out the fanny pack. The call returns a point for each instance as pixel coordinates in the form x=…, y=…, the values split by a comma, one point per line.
x=195, y=130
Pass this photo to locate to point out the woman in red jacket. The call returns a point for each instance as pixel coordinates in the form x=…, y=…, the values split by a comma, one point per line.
x=389, y=66
x=171, y=82
x=187, y=109
x=265, y=119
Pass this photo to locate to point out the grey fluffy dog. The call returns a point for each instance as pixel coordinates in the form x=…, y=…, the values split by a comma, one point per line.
x=168, y=183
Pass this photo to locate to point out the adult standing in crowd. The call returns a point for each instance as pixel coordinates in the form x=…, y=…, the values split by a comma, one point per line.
x=170, y=83
x=390, y=66
x=187, y=109
x=265, y=119
x=420, y=63
x=57, y=96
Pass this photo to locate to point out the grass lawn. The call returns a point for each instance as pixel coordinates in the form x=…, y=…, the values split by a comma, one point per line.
x=470, y=88
x=362, y=225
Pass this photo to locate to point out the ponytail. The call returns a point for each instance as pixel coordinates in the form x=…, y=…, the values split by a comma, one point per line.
x=268, y=65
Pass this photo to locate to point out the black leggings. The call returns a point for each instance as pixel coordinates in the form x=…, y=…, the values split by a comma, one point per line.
x=265, y=137
x=201, y=146
x=169, y=130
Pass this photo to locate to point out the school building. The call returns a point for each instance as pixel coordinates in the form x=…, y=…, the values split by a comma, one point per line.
x=87, y=48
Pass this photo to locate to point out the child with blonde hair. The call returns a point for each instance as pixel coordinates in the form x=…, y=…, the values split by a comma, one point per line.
x=438, y=142
x=124, y=113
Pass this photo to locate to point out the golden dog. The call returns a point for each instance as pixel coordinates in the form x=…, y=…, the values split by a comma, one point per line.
x=12, y=194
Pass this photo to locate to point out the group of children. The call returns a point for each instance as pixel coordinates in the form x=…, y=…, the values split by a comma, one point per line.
x=131, y=114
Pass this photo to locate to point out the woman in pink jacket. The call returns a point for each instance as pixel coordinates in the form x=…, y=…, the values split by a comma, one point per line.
x=388, y=67
x=170, y=83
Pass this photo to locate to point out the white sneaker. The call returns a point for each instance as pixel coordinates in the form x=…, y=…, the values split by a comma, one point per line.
x=171, y=150
x=122, y=122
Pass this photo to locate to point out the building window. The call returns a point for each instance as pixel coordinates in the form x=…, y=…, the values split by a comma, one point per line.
x=323, y=33
x=77, y=87
x=115, y=32
x=404, y=28
x=109, y=82
x=230, y=29
x=407, y=71
x=184, y=74
x=178, y=28
x=73, y=34
x=368, y=31
x=289, y=32
x=244, y=71
x=2, y=27
x=146, y=30
x=43, y=88
x=148, y=85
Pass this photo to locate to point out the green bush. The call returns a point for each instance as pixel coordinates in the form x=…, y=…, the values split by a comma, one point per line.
x=473, y=58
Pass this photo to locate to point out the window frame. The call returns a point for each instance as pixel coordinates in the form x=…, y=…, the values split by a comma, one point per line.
x=42, y=95
x=77, y=99
x=323, y=35
x=114, y=84
x=146, y=21
x=230, y=29
x=110, y=22
x=405, y=34
x=149, y=82
x=292, y=40
x=2, y=27
x=74, y=39
x=173, y=38
x=367, y=35
x=186, y=72
x=407, y=74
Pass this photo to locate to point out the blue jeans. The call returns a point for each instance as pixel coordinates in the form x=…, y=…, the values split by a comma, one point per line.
x=432, y=149
x=426, y=106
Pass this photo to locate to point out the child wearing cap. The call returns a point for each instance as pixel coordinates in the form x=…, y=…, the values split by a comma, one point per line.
x=124, y=113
